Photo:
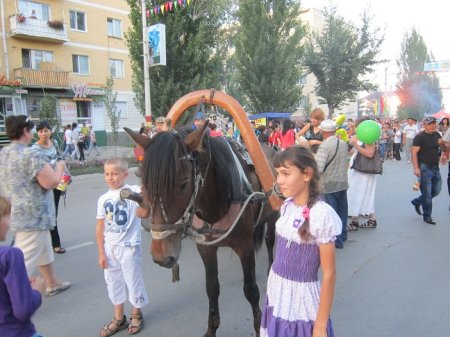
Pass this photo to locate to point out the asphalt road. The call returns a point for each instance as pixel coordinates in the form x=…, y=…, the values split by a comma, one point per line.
x=393, y=281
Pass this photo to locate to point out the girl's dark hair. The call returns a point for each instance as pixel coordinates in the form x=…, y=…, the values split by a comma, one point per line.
x=302, y=158
x=15, y=124
x=287, y=125
x=442, y=121
x=274, y=126
x=43, y=125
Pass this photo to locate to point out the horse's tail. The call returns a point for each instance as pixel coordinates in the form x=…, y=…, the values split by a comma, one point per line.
x=260, y=229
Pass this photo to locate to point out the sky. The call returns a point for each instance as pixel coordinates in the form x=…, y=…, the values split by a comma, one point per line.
x=397, y=17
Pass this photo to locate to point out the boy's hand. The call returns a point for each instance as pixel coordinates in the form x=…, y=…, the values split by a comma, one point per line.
x=102, y=262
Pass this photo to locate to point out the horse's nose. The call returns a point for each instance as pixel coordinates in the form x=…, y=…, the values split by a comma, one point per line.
x=167, y=262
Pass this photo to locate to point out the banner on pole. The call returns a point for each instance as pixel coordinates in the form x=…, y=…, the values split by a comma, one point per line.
x=157, y=44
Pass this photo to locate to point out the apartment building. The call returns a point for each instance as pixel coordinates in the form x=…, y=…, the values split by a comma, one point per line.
x=65, y=48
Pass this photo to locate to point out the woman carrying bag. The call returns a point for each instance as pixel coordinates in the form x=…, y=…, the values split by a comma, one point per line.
x=362, y=186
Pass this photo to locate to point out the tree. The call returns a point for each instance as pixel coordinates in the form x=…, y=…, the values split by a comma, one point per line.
x=340, y=56
x=48, y=111
x=193, y=61
x=419, y=92
x=268, y=53
x=111, y=109
x=308, y=105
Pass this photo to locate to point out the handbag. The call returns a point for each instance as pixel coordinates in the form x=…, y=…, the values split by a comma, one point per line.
x=372, y=165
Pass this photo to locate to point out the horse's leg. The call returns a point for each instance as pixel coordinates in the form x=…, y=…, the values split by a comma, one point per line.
x=270, y=236
x=251, y=291
x=209, y=258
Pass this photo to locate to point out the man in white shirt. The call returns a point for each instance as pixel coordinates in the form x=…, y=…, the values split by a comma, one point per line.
x=68, y=139
x=410, y=130
x=75, y=137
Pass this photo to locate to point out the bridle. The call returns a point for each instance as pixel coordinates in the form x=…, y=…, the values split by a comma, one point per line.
x=162, y=231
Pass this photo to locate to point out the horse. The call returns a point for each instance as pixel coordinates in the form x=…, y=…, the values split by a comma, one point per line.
x=187, y=179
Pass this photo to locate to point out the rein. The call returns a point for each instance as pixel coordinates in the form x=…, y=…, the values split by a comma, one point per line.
x=162, y=231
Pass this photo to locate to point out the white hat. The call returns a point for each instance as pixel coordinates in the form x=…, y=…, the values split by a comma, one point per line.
x=328, y=125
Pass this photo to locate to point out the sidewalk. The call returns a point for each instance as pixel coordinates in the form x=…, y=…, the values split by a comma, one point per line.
x=106, y=152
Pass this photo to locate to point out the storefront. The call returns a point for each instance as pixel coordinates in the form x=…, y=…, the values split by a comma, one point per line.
x=10, y=99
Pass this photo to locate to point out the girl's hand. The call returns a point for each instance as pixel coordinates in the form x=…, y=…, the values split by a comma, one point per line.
x=37, y=283
x=319, y=332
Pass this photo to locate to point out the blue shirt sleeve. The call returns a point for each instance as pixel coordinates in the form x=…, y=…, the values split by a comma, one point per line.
x=24, y=300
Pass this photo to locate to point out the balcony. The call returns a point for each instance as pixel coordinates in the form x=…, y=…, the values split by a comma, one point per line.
x=31, y=28
x=47, y=77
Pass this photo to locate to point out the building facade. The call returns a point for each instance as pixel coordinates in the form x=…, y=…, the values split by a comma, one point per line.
x=65, y=49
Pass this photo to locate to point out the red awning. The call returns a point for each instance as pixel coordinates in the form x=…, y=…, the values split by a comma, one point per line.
x=441, y=114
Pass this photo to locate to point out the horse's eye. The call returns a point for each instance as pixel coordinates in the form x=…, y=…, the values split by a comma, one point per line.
x=184, y=184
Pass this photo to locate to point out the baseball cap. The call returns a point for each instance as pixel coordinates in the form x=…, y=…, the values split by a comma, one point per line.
x=429, y=120
x=328, y=125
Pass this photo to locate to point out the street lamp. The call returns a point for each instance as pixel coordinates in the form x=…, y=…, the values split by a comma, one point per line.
x=147, y=98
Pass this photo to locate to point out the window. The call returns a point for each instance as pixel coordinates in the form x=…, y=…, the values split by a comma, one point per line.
x=116, y=68
x=122, y=109
x=114, y=28
x=83, y=112
x=34, y=10
x=33, y=104
x=78, y=20
x=33, y=58
x=80, y=64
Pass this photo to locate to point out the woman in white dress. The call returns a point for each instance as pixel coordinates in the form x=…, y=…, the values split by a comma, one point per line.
x=361, y=192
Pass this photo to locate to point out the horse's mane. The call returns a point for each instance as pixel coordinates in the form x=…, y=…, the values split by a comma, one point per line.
x=221, y=159
x=162, y=164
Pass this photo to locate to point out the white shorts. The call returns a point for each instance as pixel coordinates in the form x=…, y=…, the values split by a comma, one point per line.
x=37, y=249
x=124, y=273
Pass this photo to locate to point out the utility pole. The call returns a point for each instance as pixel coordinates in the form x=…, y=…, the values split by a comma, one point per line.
x=147, y=97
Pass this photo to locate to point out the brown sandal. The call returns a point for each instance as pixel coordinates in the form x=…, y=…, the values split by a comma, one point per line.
x=136, y=324
x=352, y=226
x=369, y=224
x=117, y=326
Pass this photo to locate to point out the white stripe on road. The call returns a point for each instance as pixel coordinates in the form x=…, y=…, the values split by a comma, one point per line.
x=81, y=245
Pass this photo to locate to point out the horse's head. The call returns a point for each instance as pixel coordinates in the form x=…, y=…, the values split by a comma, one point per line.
x=170, y=180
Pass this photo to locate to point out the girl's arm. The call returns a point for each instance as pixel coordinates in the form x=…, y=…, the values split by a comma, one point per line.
x=304, y=129
x=327, y=261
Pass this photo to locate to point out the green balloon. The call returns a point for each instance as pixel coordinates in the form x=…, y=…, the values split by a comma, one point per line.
x=368, y=132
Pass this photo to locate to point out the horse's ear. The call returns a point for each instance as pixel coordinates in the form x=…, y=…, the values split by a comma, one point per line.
x=141, y=140
x=194, y=139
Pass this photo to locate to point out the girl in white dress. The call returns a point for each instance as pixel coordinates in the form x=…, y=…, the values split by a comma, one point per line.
x=295, y=306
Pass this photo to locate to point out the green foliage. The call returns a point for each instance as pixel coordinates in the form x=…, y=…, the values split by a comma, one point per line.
x=193, y=61
x=340, y=56
x=111, y=109
x=308, y=105
x=48, y=111
x=419, y=92
x=133, y=38
x=268, y=53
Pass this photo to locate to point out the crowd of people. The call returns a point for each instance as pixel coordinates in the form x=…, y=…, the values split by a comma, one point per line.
x=316, y=175
x=76, y=140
